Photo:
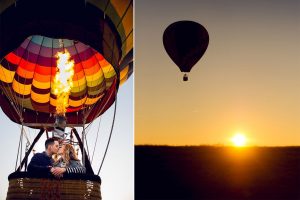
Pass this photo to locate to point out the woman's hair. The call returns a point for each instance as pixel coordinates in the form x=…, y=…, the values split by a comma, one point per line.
x=69, y=153
x=56, y=158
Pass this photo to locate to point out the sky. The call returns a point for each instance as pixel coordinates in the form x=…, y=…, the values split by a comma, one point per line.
x=247, y=81
x=117, y=171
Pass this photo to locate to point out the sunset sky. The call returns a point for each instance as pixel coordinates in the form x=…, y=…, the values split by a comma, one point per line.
x=248, y=80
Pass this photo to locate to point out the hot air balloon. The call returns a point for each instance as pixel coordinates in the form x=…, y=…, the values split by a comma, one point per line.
x=185, y=43
x=98, y=37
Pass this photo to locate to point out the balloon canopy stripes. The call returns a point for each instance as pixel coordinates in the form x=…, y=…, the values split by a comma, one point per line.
x=31, y=68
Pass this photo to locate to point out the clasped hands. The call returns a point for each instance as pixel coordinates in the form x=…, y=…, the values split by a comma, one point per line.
x=57, y=171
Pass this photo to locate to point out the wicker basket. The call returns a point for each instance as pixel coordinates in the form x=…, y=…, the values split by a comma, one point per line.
x=73, y=186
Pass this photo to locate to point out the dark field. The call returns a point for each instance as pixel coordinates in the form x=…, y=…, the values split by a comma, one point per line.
x=207, y=172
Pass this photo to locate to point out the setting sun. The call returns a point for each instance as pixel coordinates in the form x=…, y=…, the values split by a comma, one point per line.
x=239, y=140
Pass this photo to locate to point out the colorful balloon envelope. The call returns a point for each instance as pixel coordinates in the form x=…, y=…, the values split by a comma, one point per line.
x=97, y=34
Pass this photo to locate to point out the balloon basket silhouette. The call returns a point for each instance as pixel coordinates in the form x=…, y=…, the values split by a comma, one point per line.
x=185, y=77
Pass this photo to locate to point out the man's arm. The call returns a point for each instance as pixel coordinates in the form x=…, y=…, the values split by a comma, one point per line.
x=58, y=171
x=37, y=165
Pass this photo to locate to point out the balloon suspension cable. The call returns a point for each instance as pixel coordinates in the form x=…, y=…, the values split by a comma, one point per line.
x=27, y=136
x=88, y=127
x=18, y=153
x=87, y=147
x=20, y=146
x=21, y=152
x=104, y=11
x=96, y=141
x=82, y=139
x=26, y=151
x=110, y=134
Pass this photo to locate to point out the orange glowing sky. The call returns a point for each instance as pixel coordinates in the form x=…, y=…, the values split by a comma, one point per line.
x=248, y=80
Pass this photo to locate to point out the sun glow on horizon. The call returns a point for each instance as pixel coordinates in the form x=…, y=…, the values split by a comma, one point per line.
x=239, y=140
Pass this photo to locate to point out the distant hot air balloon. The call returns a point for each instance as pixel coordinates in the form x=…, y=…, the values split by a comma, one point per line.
x=97, y=36
x=185, y=43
